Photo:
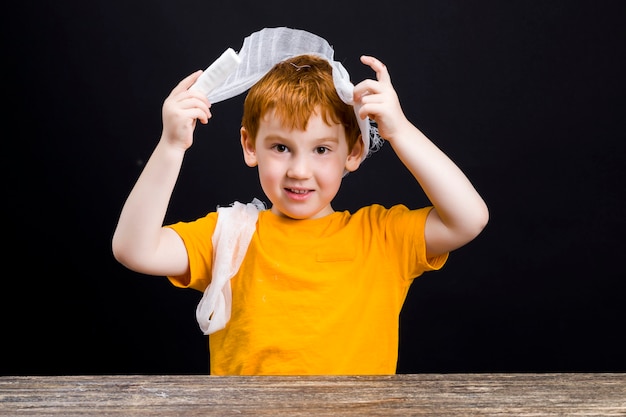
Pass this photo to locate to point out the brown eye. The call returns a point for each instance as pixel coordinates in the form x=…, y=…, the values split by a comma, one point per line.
x=280, y=148
x=321, y=150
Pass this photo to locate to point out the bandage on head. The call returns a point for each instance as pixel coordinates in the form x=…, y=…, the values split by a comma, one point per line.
x=264, y=49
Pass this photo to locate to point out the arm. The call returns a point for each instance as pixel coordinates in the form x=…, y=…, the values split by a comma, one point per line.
x=459, y=213
x=140, y=242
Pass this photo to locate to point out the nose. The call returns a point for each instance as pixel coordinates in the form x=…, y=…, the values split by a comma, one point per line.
x=299, y=167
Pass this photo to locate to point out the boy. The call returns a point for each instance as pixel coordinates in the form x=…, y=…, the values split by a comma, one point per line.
x=318, y=291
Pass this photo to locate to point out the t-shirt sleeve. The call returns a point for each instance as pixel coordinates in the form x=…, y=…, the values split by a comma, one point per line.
x=404, y=234
x=197, y=236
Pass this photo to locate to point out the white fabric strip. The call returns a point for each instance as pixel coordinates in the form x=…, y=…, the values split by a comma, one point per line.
x=235, y=226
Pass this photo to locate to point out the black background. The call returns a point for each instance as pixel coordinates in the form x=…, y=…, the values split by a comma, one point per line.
x=528, y=97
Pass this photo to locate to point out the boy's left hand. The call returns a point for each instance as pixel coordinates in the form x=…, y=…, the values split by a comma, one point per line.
x=379, y=100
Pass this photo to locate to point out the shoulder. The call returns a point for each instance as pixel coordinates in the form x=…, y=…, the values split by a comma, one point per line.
x=396, y=213
x=200, y=226
x=397, y=222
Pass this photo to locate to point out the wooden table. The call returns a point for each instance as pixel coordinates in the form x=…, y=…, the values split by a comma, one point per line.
x=396, y=395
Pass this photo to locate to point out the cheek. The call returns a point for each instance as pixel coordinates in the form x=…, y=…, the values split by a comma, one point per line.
x=269, y=174
x=331, y=174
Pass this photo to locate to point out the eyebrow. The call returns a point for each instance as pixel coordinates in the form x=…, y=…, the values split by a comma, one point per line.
x=287, y=139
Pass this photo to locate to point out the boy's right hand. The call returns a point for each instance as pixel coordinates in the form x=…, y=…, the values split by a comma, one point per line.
x=180, y=111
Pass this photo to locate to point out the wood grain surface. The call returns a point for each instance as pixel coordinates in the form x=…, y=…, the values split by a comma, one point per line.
x=395, y=395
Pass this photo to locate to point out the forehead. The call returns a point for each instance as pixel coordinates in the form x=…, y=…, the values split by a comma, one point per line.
x=272, y=124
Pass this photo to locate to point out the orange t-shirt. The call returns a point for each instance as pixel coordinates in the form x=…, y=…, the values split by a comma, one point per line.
x=320, y=296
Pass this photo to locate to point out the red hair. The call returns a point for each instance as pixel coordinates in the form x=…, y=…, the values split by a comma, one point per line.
x=295, y=89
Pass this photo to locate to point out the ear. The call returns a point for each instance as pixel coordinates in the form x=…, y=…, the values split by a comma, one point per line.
x=355, y=156
x=249, y=150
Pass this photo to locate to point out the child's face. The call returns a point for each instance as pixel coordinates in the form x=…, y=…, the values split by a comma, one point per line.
x=300, y=170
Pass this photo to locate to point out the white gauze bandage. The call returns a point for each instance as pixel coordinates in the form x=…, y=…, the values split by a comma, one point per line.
x=264, y=49
x=234, y=229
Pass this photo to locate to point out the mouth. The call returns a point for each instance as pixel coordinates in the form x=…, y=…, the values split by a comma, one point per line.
x=298, y=193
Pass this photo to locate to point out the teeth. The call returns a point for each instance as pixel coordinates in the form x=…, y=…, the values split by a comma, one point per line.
x=297, y=191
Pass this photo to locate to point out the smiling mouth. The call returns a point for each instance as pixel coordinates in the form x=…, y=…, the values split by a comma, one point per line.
x=294, y=191
x=298, y=194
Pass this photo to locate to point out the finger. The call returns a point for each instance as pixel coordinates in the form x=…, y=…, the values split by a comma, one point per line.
x=198, y=109
x=196, y=113
x=204, y=117
x=187, y=82
x=194, y=99
x=370, y=91
x=363, y=88
x=379, y=68
x=369, y=110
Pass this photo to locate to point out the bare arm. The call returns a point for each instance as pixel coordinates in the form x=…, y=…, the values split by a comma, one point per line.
x=140, y=242
x=459, y=213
